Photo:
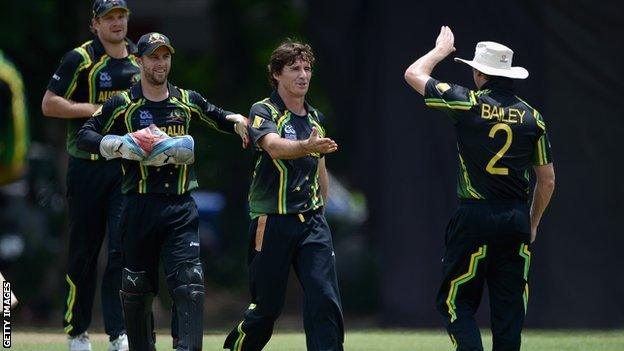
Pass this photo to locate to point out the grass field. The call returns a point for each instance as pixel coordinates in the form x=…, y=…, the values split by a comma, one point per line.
x=362, y=340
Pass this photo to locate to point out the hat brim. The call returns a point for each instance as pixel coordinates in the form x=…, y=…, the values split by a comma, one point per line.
x=113, y=8
x=513, y=72
x=153, y=48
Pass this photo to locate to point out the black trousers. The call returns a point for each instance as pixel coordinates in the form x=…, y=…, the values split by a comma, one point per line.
x=277, y=242
x=487, y=242
x=95, y=206
x=160, y=227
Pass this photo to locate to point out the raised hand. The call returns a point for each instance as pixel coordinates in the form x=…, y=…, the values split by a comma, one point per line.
x=445, y=42
x=316, y=144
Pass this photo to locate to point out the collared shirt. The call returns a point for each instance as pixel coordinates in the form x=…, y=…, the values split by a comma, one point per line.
x=131, y=111
x=283, y=186
x=88, y=74
x=499, y=137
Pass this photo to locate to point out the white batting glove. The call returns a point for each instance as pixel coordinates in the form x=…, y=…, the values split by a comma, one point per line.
x=115, y=146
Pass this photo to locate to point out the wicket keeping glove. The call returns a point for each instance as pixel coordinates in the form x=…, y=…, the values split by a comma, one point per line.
x=114, y=146
x=177, y=150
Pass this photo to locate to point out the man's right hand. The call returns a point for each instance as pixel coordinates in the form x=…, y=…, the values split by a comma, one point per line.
x=445, y=43
x=316, y=144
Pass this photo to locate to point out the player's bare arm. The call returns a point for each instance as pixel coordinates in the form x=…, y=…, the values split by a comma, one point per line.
x=544, y=187
x=284, y=149
x=419, y=72
x=57, y=106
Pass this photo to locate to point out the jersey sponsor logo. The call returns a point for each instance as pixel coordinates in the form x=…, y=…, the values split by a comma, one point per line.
x=106, y=81
x=442, y=87
x=289, y=132
x=501, y=114
x=56, y=77
x=145, y=118
x=194, y=243
x=174, y=130
x=107, y=94
x=176, y=116
x=257, y=122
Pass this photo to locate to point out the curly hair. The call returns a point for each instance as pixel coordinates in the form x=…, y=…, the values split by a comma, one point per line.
x=286, y=54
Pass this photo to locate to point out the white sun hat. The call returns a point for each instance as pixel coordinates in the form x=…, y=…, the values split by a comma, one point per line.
x=494, y=59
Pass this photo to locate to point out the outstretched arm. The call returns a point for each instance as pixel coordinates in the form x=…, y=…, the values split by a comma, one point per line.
x=284, y=149
x=544, y=187
x=419, y=72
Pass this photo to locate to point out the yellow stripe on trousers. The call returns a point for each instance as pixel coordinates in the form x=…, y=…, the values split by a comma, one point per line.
x=71, y=298
x=455, y=283
x=526, y=254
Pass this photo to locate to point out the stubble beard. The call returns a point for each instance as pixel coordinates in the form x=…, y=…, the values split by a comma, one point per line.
x=153, y=80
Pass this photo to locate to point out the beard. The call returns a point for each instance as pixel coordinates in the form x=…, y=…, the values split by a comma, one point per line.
x=154, y=79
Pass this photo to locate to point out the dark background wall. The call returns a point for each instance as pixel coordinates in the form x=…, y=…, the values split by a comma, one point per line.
x=399, y=154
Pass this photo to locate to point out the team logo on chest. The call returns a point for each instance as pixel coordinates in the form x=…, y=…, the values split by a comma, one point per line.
x=106, y=81
x=135, y=78
x=289, y=132
x=145, y=118
x=176, y=116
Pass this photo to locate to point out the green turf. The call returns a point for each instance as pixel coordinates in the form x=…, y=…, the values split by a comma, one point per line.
x=368, y=340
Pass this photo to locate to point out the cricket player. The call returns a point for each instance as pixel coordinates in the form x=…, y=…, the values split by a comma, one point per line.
x=499, y=137
x=14, y=140
x=14, y=136
x=86, y=77
x=286, y=199
x=160, y=217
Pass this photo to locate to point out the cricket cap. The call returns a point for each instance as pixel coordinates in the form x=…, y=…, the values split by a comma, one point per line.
x=152, y=41
x=102, y=7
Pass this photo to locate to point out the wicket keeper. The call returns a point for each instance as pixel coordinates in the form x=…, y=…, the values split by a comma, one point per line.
x=160, y=219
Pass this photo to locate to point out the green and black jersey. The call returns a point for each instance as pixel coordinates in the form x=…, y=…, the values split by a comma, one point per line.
x=131, y=111
x=14, y=136
x=88, y=74
x=499, y=137
x=283, y=186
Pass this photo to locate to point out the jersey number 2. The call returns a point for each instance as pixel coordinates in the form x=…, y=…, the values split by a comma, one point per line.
x=509, y=136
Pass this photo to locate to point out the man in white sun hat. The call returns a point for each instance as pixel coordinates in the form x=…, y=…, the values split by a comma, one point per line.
x=499, y=137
